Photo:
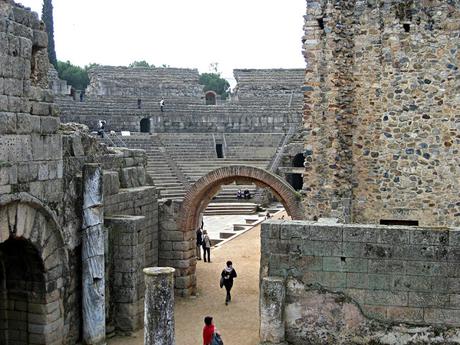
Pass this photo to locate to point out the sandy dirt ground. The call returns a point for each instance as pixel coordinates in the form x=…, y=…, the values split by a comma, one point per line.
x=239, y=321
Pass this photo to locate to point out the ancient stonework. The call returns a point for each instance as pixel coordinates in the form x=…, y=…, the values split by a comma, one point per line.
x=41, y=203
x=358, y=284
x=382, y=111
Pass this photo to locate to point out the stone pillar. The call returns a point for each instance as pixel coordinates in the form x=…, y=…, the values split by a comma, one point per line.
x=272, y=296
x=93, y=276
x=159, y=306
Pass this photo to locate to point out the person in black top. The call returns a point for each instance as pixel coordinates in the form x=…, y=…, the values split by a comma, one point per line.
x=199, y=243
x=228, y=274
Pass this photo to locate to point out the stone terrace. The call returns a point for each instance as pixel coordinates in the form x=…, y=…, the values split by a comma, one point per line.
x=175, y=161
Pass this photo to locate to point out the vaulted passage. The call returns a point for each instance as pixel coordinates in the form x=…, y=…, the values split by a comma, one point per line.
x=22, y=293
x=32, y=265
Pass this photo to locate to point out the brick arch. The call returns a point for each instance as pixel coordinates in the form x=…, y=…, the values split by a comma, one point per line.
x=200, y=194
x=27, y=223
x=204, y=189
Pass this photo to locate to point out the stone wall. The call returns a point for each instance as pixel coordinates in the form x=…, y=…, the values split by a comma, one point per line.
x=381, y=108
x=265, y=86
x=144, y=82
x=196, y=119
x=130, y=219
x=350, y=283
x=33, y=290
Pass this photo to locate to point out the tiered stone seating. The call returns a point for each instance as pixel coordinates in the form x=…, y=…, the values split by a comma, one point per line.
x=163, y=175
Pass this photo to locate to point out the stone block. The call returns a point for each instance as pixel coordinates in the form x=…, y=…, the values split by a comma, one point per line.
x=429, y=268
x=379, y=281
x=320, y=248
x=111, y=182
x=410, y=283
x=429, y=299
x=40, y=39
x=454, y=237
x=13, y=87
x=386, y=266
x=445, y=317
x=48, y=124
x=430, y=237
x=405, y=314
x=343, y=264
x=387, y=298
x=360, y=234
x=318, y=232
x=7, y=123
x=357, y=281
x=394, y=236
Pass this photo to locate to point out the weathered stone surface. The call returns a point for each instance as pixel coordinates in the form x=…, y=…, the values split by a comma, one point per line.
x=381, y=111
x=159, y=306
x=351, y=294
x=93, y=271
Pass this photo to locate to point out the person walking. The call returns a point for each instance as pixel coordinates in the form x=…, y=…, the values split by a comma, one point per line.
x=228, y=274
x=206, y=246
x=199, y=243
x=162, y=104
x=208, y=332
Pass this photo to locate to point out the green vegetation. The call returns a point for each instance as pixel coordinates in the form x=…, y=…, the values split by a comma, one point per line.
x=213, y=81
x=145, y=64
x=74, y=75
x=47, y=18
x=141, y=63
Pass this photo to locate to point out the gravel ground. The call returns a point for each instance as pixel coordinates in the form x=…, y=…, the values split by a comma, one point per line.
x=239, y=321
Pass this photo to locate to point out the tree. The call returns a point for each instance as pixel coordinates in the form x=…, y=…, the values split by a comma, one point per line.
x=214, y=82
x=74, y=75
x=141, y=63
x=47, y=18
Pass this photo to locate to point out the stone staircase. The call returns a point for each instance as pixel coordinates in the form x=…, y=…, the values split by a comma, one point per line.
x=163, y=175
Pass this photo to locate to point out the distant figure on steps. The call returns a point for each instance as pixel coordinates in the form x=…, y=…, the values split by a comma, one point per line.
x=162, y=104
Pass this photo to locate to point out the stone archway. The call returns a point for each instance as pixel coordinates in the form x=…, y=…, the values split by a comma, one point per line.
x=32, y=284
x=145, y=125
x=211, y=97
x=198, y=197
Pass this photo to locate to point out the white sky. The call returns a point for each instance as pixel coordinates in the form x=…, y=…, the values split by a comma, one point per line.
x=179, y=33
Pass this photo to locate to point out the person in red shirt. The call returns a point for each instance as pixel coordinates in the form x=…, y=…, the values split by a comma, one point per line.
x=208, y=330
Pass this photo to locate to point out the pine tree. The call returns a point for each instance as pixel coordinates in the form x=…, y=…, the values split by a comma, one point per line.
x=47, y=17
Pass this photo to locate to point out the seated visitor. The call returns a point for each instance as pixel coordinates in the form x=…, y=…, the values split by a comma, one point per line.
x=239, y=194
x=247, y=194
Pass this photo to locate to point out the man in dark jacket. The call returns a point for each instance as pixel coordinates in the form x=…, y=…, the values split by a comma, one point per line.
x=228, y=274
x=199, y=243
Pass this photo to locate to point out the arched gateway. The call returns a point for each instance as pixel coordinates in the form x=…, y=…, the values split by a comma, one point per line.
x=33, y=262
x=200, y=194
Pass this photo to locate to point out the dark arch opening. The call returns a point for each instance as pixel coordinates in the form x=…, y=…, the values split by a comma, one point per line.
x=295, y=180
x=210, y=98
x=22, y=293
x=145, y=125
x=298, y=161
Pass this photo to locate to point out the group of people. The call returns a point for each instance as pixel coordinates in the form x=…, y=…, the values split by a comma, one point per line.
x=210, y=335
x=243, y=195
x=228, y=274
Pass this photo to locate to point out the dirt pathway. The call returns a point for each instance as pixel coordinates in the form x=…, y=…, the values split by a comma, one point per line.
x=239, y=321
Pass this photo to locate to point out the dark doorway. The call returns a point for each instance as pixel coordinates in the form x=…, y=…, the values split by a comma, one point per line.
x=219, y=151
x=298, y=160
x=399, y=222
x=145, y=125
x=210, y=98
x=295, y=180
x=22, y=285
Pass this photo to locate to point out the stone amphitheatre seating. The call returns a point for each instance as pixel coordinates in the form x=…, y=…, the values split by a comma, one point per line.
x=180, y=115
x=180, y=159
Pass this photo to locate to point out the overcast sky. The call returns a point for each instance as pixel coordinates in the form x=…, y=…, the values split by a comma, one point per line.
x=179, y=33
